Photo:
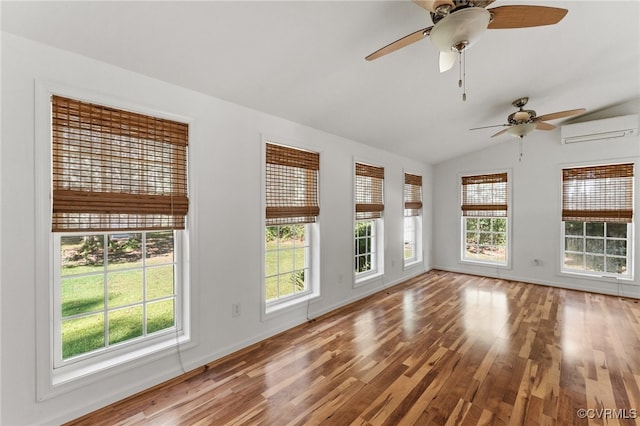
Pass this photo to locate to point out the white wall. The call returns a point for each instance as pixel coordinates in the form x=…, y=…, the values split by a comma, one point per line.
x=535, y=206
x=227, y=254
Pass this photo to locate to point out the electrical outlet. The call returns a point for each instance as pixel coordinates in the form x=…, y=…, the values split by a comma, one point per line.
x=235, y=310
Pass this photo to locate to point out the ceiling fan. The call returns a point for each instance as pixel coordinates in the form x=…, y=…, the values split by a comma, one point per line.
x=524, y=121
x=458, y=24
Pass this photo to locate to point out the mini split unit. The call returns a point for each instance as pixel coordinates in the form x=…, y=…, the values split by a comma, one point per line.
x=596, y=130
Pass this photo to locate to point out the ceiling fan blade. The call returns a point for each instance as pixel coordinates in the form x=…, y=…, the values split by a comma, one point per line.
x=488, y=127
x=500, y=132
x=432, y=5
x=400, y=43
x=447, y=59
x=561, y=114
x=483, y=3
x=541, y=125
x=522, y=16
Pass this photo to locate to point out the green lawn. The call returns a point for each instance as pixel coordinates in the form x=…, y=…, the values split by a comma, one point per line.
x=288, y=259
x=86, y=287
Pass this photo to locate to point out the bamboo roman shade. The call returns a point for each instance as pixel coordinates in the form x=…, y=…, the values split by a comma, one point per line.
x=291, y=185
x=368, y=191
x=598, y=193
x=484, y=195
x=412, y=194
x=116, y=170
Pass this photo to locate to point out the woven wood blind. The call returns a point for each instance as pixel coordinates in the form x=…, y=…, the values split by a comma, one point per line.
x=485, y=195
x=598, y=194
x=412, y=194
x=116, y=170
x=368, y=192
x=291, y=185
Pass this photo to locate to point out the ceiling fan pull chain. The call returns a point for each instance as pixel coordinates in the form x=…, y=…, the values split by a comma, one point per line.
x=520, y=147
x=463, y=73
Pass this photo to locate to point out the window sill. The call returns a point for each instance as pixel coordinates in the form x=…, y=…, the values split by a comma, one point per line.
x=485, y=264
x=77, y=375
x=412, y=264
x=367, y=279
x=281, y=307
x=598, y=277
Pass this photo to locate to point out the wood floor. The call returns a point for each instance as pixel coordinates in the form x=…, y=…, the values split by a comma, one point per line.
x=441, y=349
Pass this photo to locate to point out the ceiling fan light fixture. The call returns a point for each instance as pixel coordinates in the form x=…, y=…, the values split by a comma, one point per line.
x=460, y=29
x=521, y=130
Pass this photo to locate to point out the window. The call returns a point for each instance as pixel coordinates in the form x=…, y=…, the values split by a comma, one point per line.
x=597, y=215
x=114, y=288
x=412, y=218
x=369, y=206
x=119, y=206
x=485, y=219
x=292, y=209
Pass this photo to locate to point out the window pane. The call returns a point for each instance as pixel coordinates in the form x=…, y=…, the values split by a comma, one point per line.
x=617, y=230
x=617, y=247
x=500, y=239
x=574, y=228
x=125, y=324
x=594, y=245
x=82, y=295
x=82, y=335
x=472, y=224
x=595, y=229
x=617, y=265
x=159, y=282
x=484, y=224
x=124, y=251
x=160, y=315
x=499, y=225
x=299, y=259
x=79, y=255
x=574, y=261
x=485, y=238
x=594, y=263
x=574, y=244
x=159, y=247
x=285, y=261
x=125, y=287
x=472, y=238
x=271, y=288
x=499, y=253
x=287, y=284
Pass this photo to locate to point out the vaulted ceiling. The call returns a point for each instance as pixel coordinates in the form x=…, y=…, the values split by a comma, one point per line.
x=304, y=61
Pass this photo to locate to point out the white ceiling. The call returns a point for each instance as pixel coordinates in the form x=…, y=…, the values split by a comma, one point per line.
x=304, y=61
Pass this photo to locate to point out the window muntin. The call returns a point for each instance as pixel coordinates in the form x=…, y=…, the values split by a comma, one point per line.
x=599, y=248
x=114, y=288
x=287, y=261
x=485, y=239
x=485, y=218
x=366, y=247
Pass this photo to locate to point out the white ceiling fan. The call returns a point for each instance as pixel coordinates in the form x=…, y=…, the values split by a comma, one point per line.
x=458, y=24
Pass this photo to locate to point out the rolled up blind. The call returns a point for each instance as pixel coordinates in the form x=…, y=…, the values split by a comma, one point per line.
x=485, y=195
x=369, y=195
x=116, y=170
x=412, y=194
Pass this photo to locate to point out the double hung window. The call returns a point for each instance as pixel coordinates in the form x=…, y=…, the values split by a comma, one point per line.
x=597, y=215
x=412, y=218
x=292, y=210
x=369, y=208
x=485, y=218
x=119, y=206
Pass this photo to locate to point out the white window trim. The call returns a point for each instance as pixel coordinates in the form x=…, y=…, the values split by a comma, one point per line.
x=52, y=382
x=279, y=307
x=631, y=237
x=368, y=277
x=461, y=229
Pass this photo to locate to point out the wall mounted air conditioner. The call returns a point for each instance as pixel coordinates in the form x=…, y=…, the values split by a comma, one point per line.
x=607, y=128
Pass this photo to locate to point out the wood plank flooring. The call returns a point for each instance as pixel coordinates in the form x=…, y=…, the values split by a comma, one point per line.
x=440, y=349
